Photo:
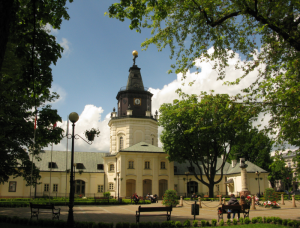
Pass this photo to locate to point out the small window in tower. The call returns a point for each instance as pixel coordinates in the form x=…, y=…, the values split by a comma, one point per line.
x=111, y=167
x=121, y=143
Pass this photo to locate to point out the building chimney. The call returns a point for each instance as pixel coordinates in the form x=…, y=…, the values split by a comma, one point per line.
x=233, y=163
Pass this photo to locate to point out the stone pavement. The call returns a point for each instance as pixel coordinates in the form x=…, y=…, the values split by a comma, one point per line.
x=126, y=213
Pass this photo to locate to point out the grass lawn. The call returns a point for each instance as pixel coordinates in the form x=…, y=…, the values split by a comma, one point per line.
x=258, y=225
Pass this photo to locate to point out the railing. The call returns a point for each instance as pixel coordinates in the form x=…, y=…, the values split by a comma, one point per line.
x=123, y=88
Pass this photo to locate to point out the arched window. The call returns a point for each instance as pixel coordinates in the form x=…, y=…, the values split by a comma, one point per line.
x=111, y=167
x=131, y=165
x=121, y=143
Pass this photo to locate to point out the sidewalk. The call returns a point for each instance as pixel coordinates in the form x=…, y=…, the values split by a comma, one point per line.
x=126, y=213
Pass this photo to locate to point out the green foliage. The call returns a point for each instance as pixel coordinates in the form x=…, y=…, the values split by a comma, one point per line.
x=234, y=221
x=213, y=222
x=187, y=223
x=269, y=220
x=255, y=146
x=270, y=195
x=156, y=224
x=106, y=194
x=148, y=224
x=195, y=223
x=177, y=224
x=290, y=223
x=119, y=225
x=228, y=222
x=241, y=220
x=222, y=222
x=170, y=198
x=246, y=220
x=254, y=220
x=133, y=225
x=259, y=219
x=216, y=31
x=167, y=224
x=192, y=128
x=284, y=222
x=25, y=82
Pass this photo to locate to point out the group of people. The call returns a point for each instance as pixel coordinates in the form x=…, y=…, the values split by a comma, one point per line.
x=153, y=198
x=234, y=201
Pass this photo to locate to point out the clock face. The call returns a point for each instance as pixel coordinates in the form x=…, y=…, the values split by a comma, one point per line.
x=137, y=101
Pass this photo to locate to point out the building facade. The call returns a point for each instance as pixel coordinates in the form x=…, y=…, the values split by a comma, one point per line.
x=134, y=163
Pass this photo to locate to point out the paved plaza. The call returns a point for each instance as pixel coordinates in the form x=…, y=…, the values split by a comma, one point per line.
x=126, y=213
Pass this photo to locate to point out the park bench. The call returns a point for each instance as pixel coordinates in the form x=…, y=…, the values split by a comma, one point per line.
x=35, y=210
x=101, y=199
x=222, y=210
x=153, y=209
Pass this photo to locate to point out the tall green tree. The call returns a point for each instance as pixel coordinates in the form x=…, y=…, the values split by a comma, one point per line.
x=25, y=82
x=191, y=27
x=255, y=147
x=200, y=132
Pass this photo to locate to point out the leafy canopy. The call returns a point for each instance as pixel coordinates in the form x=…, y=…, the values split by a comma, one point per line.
x=191, y=27
x=200, y=132
x=25, y=81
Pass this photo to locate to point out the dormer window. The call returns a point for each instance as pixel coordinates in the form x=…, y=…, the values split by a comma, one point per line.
x=79, y=166
x=52, y=165
x=100, y=167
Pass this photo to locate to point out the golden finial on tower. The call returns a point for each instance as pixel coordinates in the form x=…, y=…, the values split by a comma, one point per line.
x=135, y=55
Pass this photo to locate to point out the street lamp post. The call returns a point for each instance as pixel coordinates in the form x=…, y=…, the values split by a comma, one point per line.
x=288, y=187
x=73, y=117
x=118, y=184
x=258, y=173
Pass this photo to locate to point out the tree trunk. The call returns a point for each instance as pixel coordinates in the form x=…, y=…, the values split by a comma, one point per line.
x=211, y=190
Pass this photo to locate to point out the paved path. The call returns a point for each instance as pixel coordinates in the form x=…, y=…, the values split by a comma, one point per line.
x=126, y=213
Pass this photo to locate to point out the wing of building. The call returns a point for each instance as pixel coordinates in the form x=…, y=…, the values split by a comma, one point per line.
x=134, y=164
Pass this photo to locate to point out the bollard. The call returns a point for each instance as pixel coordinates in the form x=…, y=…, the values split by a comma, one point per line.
x=282, y=200
x=199, y=200
x=220, y=200
x=224, y=201
x=181, y=202
x=253, y=203
x=293, y=201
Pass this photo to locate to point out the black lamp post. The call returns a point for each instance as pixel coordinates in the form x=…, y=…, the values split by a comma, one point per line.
x=118, y=185
x=258, y=173
x=73, y=117
x=287, y=181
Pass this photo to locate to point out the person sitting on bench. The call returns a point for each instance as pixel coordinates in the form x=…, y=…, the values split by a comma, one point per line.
x=233, y=201
x=135, y=198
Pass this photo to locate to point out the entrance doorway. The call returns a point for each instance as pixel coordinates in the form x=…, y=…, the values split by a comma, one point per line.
x=163, y=186
x=130, y=187
x=147, y=187
x=192, y=187
x=80, y=187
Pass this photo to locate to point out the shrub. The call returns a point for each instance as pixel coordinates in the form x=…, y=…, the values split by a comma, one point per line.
x=234, y=221
x=170, y=198
x=213, y=222
x=247, y=220
x=265, y=219
x=222, y=222
x=284, y=222
x=134, y=225
x=241, y=221
x=259, y=220
x=254, y=220
x=207, y=223
x=279, y=220
x=119, y=225
x=228, y=222
x=195, y=223
x=148, y=225
x=187, y=223
x=290, y=223
x=144, y=225
x=106, y=194
x=156, y=224
x=269, y=219
x=177, y=224
x=270, y=195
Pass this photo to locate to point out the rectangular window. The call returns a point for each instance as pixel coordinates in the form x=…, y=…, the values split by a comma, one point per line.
x=100, y=188
x=100, y=166
x=12, y=186
x=46, y=187
x=111, y=186
x=51, y=165
x=163, y=165
x=130, y=165
x=111, y=167
x=147, y=165
x=55, y=187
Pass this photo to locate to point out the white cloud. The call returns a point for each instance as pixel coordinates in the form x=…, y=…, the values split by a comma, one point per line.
x=60, y=91
x=66, y=45
x=51, y=29
x=89, y=118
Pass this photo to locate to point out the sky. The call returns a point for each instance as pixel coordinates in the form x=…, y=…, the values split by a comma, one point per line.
x=95, y=65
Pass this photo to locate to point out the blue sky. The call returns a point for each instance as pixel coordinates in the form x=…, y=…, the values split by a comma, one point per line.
x=95, y=64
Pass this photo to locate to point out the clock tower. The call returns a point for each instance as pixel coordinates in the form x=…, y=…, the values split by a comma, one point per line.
x=133, y=123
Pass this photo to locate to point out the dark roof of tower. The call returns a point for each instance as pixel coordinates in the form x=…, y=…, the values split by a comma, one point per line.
x=135, y=81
